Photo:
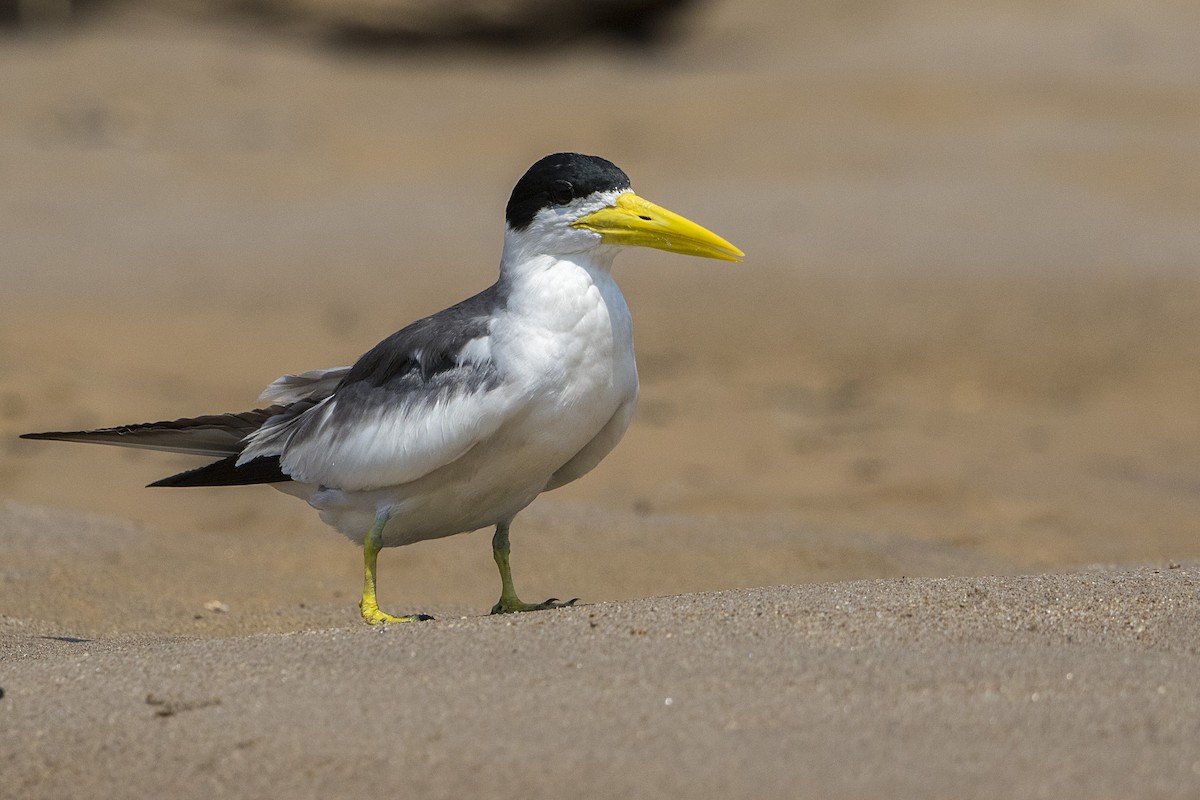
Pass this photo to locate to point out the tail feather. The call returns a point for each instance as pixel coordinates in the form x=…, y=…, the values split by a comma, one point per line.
x=210, y=435
x=220, y=435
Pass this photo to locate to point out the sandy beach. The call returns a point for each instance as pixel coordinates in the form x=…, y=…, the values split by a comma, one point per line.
x=909, y=505
x=1076, y=685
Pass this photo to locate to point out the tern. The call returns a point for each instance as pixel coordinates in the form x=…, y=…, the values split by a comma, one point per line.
x=460, y=420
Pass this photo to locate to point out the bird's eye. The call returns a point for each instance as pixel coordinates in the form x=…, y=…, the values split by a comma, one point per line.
x=562, y=192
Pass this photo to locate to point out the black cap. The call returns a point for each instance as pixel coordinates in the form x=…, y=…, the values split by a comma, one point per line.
x=557, y=180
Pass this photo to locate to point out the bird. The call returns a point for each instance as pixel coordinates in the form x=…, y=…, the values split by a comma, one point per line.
x=459, y=420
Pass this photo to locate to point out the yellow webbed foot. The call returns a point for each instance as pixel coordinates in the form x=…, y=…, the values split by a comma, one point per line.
x=373, y=616
x=369, y=606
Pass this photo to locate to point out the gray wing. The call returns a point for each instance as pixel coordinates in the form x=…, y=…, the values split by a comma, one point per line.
x=417, y=401
x=351, y=427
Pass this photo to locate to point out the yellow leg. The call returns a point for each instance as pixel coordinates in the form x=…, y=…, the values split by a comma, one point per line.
x=372, y=543
x=509, y=602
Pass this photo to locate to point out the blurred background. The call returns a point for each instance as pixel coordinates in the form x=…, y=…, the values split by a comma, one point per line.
x=965, y=340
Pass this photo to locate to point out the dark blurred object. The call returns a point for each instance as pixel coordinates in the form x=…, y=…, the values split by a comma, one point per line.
x=493, y=22
x=41, y=13
x=401, y=24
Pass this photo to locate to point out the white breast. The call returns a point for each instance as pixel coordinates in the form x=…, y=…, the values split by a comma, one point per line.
x=567, y=337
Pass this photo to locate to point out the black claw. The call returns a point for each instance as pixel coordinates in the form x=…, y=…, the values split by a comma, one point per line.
x=423, y=618
x=571, y=602
x=550, y=601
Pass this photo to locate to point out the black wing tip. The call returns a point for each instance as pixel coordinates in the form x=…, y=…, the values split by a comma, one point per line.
x=226, y=472
x=178, y=479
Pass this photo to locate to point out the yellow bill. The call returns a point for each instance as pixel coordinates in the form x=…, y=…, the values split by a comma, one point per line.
x=634, y=221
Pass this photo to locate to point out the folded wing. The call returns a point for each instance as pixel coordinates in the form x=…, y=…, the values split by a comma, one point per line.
x=417, y=401
x=367, y=437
